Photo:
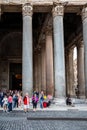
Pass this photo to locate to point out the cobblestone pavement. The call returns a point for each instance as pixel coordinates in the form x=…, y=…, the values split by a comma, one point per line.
x=17, y=120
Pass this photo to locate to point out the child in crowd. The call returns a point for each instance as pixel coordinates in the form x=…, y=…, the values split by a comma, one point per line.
x=10, y=100
x=34, y=101
x=19, y=100
x=26, y=101
x=5, y=103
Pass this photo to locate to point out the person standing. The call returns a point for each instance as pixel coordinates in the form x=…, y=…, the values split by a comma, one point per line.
x=26, y=101
x=34, y=101
x=36, y=92
x=5, y=103
x=10, y=100
x=19, y=100
x=41, y=99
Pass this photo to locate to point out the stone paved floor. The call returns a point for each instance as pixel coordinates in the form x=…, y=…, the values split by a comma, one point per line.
x=17, y=120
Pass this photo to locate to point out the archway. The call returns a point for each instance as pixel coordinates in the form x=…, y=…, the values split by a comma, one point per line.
x=11, y=58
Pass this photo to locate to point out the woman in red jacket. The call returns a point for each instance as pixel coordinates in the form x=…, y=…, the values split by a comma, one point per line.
x=26, y=101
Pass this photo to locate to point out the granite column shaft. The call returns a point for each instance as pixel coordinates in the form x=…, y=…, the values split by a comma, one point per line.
x=59, y=59
x=49, y=62
x=27, y=62
x=84, y=20
x=80, y=68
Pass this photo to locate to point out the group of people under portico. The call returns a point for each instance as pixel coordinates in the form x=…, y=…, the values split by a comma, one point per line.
x=41, y=97
x=36, y=98
x=11, y=99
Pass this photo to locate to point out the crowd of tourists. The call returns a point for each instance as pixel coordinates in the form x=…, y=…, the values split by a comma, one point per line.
x=11, y=99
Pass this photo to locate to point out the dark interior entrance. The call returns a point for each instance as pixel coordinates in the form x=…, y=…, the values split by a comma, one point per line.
x=15, y=78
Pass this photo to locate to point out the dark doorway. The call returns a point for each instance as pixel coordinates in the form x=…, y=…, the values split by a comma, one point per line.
x=15, y=78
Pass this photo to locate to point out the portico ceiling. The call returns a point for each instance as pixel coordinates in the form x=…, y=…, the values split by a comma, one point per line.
x=11, y=22
x=70, y=6
x=41, y=8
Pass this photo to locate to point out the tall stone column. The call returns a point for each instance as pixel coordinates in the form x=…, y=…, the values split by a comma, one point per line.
x=39, y=70
x=27, y=62
x=49, y=62
x=35, y=71
x=80, y=70
x=59, y=59
x=43, y=66
x=67, y=71
x=84, y=20
x=37, y=67
x=71, y=74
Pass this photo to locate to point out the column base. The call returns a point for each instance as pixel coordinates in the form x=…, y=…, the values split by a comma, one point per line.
x=78, y=101
x=81, y=97
x=59, y=101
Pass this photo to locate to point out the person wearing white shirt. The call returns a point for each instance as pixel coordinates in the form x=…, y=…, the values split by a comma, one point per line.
x=5, y=103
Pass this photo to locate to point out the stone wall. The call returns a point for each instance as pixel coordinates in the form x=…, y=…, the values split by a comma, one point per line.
x=4, y=75
x=41, y=1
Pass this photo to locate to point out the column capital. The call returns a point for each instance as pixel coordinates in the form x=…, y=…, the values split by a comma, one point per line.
x=58, y=10
x=84, y=13
x=27, y=9
x=48, y=30
x=80, y=44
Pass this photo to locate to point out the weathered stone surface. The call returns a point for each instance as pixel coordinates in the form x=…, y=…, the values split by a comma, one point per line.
x=27, y=67
x=4, y=81
x=18, y=120
x=80, y=68
x=42, y=1
x=85, y=46
x=42, y=5
x=59, y=61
